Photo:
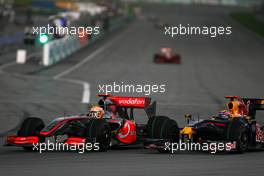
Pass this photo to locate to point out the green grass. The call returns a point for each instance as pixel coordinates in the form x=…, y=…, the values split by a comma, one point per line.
x=250, y=21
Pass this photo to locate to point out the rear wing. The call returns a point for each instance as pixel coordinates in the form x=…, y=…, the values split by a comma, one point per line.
x=248, y=101
x=133, y=102
x=247, y=106
x=253, y=105
x=257, y=103
x=232, y=97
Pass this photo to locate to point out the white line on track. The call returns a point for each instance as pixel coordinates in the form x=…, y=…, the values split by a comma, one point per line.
x=59, y=77
x=86, y=85
x=6, y=65
x=81, y=63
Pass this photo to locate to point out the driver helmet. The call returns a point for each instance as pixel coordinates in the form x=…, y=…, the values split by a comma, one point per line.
x=96, y=112
x=167, y=52
x=224, y=114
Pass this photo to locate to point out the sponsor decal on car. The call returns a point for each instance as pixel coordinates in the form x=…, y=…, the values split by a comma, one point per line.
x=259, y=134
x=131, y=101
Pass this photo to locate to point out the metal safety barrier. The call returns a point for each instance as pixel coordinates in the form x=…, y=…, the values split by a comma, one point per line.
x=211, y=2
x=57, y=50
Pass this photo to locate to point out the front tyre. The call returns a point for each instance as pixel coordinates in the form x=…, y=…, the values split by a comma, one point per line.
x=162, y=127
x=238, y=133
x=31, y=126
x=99, y=131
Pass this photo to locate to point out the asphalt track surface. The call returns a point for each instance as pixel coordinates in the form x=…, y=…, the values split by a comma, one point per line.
x=211, y=69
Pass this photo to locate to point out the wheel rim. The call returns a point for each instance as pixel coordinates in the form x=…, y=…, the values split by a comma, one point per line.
x=244, y=140
x=105, y=140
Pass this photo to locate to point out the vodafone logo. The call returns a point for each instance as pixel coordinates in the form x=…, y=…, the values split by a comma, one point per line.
x=130, y=101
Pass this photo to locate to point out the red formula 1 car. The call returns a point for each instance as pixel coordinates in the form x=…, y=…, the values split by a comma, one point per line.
x=116, y=125
x=236, y=125
x=167, y=56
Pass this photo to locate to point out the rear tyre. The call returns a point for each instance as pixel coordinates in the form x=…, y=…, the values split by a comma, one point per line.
x=31, y=126
x=162, y=127
x=99, y=130
x=238, y=133
x=177, y=59
x=157, y=59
